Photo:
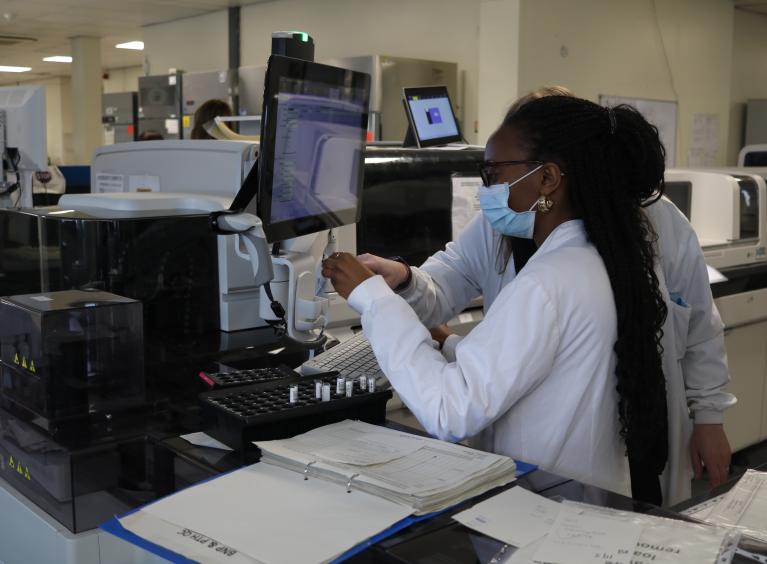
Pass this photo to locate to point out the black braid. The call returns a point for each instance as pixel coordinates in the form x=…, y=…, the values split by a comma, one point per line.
x=612, y=167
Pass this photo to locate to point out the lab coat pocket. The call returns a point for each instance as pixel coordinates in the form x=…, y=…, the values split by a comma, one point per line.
x=680, y=323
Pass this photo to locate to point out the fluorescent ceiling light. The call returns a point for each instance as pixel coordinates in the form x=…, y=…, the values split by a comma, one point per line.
x=135, y=45
x=5, y=68
x=58, y=59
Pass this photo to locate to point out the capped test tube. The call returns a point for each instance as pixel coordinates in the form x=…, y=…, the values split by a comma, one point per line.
x=318, y=389
x=325, y=392
x=340, y=385
x=349, y=388
x=371, y=385
x=363, y=382
x=293, y=393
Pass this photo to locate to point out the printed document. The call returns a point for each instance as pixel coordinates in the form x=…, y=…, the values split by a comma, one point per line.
x=582, y=537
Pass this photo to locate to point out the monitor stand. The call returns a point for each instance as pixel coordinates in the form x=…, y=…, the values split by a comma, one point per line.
x=410, y=140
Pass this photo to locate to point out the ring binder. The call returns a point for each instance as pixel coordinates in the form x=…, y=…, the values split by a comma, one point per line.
x=349, y=483
x=306, y=469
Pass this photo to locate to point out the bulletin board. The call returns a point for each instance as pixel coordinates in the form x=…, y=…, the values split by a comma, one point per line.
x=661, y=113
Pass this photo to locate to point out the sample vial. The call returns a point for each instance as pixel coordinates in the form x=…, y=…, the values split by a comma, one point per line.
x=325, y=392
x=349, y=388
x=363, y=382
x=371, y=385
x=318, y=389
x=340, y=385
x=293, y=393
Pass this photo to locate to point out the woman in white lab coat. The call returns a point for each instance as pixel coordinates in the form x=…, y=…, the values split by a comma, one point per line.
x=565, y=369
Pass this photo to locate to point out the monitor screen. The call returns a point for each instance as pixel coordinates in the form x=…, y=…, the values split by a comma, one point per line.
x=431, y=116
x=749, y=208
x=755, y=158
x=310, y=164
x=680, y=192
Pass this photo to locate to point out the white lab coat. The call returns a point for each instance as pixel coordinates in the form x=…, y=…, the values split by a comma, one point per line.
x=694, y=361
x=539, y=370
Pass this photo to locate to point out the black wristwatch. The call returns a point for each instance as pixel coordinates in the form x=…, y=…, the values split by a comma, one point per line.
x=408, y=278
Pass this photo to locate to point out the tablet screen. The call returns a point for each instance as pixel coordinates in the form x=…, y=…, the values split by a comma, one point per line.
x=431, y=115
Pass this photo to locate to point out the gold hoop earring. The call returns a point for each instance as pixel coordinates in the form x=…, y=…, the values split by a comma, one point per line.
x=545, y=204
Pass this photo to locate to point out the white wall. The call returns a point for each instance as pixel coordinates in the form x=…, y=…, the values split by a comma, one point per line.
x=499, y=59
x=122, y=80
x=615, y=47
x=749, y=74
x=191, y=44
x=442, y=30
x=58, y=108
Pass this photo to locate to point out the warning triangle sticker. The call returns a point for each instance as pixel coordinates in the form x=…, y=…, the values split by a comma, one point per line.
x=16, y=358
x=23, y=362
x=32, y=366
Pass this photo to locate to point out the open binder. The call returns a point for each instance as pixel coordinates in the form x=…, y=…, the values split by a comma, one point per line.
x=424, y=474
x=314, y=497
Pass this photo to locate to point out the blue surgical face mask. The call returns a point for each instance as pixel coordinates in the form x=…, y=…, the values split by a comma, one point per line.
x=494, y=201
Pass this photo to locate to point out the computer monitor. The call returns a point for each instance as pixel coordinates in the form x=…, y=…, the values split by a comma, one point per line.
x=24, y=109
x=310, y=164
x=430, y=115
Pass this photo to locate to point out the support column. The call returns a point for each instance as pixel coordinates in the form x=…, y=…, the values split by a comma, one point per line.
x=87, y=88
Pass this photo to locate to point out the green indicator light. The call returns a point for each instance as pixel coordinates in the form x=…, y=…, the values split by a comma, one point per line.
x=303, y=34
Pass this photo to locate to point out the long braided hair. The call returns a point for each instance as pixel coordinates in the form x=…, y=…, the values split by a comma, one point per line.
x=614, y=163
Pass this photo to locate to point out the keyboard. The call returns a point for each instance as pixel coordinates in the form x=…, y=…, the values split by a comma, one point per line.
x=352, y=358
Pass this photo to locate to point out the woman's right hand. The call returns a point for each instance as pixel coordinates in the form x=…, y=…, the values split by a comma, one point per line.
x=393, y=272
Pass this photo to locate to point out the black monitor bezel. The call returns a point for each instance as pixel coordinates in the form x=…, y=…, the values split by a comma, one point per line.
x=430, y=91
x=278, y=67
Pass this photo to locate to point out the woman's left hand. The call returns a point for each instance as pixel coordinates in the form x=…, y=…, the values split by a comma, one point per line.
x=345, y=272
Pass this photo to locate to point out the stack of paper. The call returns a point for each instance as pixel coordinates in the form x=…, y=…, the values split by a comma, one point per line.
x=744, y=507
x=296, y=508
x=421, y=473
x=557, y=533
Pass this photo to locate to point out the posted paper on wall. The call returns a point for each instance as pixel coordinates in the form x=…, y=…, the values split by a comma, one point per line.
x=704, y=142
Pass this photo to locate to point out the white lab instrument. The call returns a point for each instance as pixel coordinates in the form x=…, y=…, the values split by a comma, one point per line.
x=727, y=211
x=238, y=291
x=199, y=168
x=191, y=166
x=753, y=156
x=23, y=148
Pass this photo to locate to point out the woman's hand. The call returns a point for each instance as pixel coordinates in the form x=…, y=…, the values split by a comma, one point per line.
x=393, y=272
x=345, y=272
x=440, y=333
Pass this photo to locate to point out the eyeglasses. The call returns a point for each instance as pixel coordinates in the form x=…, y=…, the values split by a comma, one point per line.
x=487, y=169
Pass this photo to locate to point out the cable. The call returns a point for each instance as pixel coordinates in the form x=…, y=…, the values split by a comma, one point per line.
x=19, y=184
x=665, y=51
